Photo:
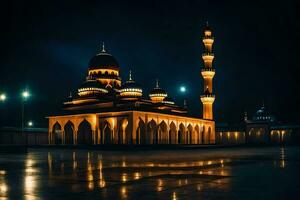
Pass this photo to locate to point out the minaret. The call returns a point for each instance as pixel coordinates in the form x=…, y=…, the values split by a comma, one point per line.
x=208, y=73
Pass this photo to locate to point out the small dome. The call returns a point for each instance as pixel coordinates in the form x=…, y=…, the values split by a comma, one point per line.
x=130, y=89
x=263, y=115
x=168, y=100
x=103, y=60
x=91, y=86
x=157, y=91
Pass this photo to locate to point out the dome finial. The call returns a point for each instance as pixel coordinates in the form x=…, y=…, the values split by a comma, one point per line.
x=130, y=77
x=157, y=83
x=103, y=47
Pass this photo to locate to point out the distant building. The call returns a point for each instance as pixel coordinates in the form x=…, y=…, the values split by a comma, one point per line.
x=263, y=128
x=29, y=136
x=106, y=110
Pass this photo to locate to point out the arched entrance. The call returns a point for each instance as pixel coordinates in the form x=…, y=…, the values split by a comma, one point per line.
x=57, y=133
x=124, y=133
x=209, y=135
x=85, y=133
x=203, y=135
x=163, y=133
x=69, y=133
x=107, y=133
x=181, y=134
x=152, y=132
x=172, y=134
x=141, y=133
x=197, y=137
x=189, y=134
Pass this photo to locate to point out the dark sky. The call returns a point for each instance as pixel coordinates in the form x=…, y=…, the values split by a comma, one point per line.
x=46, y=47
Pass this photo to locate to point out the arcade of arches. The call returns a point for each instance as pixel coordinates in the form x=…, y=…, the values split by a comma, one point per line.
x=130, y=127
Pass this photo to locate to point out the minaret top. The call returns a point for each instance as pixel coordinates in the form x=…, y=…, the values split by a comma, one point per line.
x=157, y=83
x=130, y=77
x=103, y=48
x=207, y=30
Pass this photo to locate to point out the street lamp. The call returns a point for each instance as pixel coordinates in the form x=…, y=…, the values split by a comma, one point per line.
x=2, y=97
x=30, y=123
x=25, y=95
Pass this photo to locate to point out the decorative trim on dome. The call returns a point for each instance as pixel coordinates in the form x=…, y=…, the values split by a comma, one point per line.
x=158, y=95
x=92, y=89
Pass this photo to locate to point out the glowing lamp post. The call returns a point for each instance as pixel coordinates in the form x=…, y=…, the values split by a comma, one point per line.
x=25, y=95
x=2, y=97
x=30, y=124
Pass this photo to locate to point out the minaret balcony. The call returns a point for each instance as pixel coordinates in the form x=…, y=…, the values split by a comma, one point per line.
x=207, y=98
x=208, y=40
x=208, y=57
x=208, y=72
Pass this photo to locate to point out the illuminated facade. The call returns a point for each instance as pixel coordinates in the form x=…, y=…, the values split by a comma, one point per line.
x=107, y=111
x=208, y=73
x=262, y=128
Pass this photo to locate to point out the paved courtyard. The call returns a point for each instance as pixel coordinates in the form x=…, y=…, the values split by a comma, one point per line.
x=225, y=173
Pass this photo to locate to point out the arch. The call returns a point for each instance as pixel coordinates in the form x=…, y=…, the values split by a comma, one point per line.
x=197, y=138
x=124, y=132
x=141, y=132
x=69, y=133
x=189, y=134
x=181, y=134
x=209, y=136
x=162, y=133
x=151, y=132
x=85, y=133
x=107, y=133
x=56, y=133
x=203, y=135
x=172, y=134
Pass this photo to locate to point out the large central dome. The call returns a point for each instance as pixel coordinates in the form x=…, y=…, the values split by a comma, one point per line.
x=105, y=68
x=103, y=60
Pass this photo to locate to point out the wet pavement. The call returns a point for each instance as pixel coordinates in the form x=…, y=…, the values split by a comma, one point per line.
x=226, y=173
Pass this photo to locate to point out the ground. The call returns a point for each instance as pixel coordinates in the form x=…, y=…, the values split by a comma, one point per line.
x=223, y=173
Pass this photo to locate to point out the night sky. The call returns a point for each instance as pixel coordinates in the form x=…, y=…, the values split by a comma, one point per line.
x=46, y=47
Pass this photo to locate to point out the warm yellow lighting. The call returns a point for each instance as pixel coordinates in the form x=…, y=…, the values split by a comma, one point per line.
x=123, y=192
x=3, y=188
x=174, y=196
x=124, y=177
x=137, y=175
x=207, y=74
x=90, y=185
x=104, y=71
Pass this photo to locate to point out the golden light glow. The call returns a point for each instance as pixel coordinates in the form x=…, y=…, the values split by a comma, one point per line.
x=104, y=71
x=3, y=189
x=207, y=74
x=124, y=178
x=123, y=192
x=137, y=175
x=174, y=196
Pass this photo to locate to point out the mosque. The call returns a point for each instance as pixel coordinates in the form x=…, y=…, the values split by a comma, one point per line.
x=107, y=110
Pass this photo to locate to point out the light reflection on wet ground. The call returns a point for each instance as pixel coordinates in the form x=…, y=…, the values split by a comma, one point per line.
x=237, y=173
